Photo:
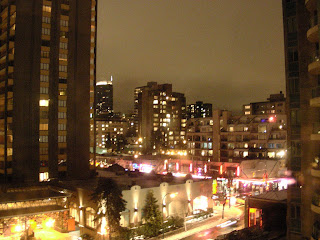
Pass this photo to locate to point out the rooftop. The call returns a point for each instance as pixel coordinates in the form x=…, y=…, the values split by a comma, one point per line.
x=278, y=196
x=29, y=195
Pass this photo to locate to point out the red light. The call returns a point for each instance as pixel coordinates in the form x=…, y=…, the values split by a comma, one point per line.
x=271, y=119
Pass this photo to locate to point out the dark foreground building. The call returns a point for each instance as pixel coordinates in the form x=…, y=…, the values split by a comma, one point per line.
x=47, y=79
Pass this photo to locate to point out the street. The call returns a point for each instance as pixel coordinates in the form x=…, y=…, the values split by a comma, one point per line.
x=214, y=232
x=209, y=230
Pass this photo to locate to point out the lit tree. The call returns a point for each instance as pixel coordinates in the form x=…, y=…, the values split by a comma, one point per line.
x=108, y=197
x=151, y=216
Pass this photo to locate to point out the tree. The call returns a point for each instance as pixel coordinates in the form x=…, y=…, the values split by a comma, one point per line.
x=151, y=216
x=110, y=204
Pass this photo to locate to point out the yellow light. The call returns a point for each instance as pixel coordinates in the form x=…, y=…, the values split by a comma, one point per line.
x=173, y=195
x=103, y=226
x=140, y=139
x=17, y=228
x=49, y=223
x=44, y=103
x=281, y=154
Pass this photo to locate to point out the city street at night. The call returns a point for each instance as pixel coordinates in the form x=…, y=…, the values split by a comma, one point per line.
x=214, y=227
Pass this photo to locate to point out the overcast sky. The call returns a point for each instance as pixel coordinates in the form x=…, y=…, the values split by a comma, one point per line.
x=225, y=52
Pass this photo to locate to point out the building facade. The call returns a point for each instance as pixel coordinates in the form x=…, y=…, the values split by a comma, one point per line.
x=300, y=21
x=226, y=140
x=199, y=110
x=161, y=117
x=275, y=105
x=47, y=78
x=111, y=134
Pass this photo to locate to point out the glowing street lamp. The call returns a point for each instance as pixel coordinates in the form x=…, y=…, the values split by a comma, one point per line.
x=172, y=195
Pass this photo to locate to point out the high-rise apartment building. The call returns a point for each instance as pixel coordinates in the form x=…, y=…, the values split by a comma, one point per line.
x=301, y=38
x=104, y=95
x=274, y=105
x=161, y=117
x=227, y=140
x=47, y=78
x=199, y=110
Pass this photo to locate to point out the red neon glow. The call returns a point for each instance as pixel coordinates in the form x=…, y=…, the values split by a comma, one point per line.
x=238, y=171
x=220, y=169
x=190, y=167
x=271, y=119
x=177, y=166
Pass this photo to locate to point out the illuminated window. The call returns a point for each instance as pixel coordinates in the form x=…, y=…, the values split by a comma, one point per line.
x=230, y=129
x=62, y=127
x=62, y=91
x=90, y=216
x=44, y=78
x=43, y=126
x=62, y=115
x=46, y=31
x=43, y=176
x=62, y=103
x=63, y=68
x=247, y=107
x=46, y=19
x=44, y=103
x=64, y=23
x=44, y=90
x=62, y=138
x=63, y=56
x=44, y=54
x=44, y=66
x=46, y=8
x=63, y=45
x=43, y=138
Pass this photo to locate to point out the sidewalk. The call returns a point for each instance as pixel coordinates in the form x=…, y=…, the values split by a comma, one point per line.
x=206, y=224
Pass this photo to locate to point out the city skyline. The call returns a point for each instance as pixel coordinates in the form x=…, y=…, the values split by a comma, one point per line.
x=204, y=54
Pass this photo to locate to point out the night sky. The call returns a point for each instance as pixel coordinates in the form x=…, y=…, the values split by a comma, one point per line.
x=225, y=52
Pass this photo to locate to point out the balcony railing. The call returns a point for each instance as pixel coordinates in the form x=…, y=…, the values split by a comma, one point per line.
x=316, y=199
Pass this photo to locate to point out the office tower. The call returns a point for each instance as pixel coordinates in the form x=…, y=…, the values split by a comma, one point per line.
x=275, y=105
x=161, y=117
x=302, y=68
x=199, y=110
x=104, y=95
x=47, y=76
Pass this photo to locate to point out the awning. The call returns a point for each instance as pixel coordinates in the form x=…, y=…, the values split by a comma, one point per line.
x=31, y=211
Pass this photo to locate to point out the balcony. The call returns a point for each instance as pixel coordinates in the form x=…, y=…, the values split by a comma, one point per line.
x=315, y=172
x=314, y=67
x=315, y=135
x=315, y=204
x=315, y=100
x=311, y=5
x=313, y=35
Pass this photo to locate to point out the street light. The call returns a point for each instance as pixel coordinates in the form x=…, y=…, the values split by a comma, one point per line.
x=172, y=195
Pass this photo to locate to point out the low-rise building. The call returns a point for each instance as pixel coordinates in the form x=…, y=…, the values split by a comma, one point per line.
x=191, y=195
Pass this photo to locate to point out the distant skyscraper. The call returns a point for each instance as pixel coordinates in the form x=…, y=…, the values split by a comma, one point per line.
x=199, y=110
x=47, y=79
x=161, y=116
x=104, y=95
